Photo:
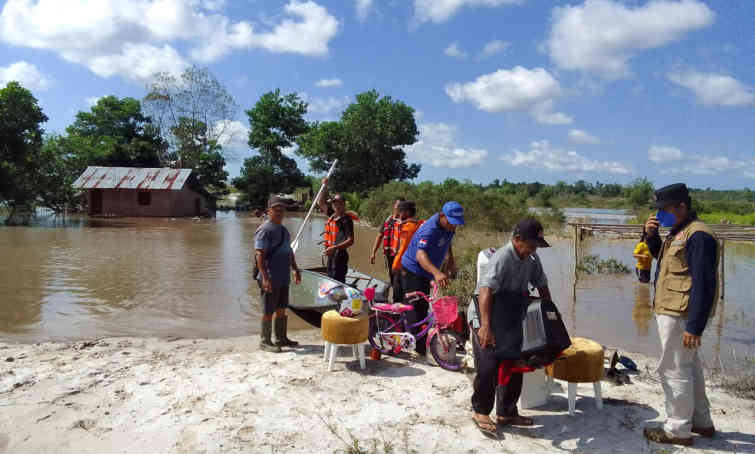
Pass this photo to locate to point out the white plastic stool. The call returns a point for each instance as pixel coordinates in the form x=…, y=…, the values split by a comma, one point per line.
x=331, y=350
x=572, y=393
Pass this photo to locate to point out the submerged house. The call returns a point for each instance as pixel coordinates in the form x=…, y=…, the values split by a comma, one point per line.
x=132, y=191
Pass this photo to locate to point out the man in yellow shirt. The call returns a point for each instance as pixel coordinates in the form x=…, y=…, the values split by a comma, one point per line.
x=644, y=260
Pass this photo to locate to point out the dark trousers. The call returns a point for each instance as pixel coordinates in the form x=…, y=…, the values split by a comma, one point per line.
x=643, y=275
x=338, y=265
x=486, y=389
x=415, y=283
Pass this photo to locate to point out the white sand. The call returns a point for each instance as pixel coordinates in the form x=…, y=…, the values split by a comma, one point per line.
x=226, y=396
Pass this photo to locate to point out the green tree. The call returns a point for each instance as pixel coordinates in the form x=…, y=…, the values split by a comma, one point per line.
x=59, y=167
x=275, y=122
x=202, y=154
x=115, y=132
x=21, y=119
x=640, y=192
x=367, y=141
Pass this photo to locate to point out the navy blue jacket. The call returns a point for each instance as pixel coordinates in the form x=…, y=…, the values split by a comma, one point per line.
x=701, y=253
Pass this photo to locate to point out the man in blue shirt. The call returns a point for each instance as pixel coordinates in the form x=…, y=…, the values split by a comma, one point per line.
x=423, y=259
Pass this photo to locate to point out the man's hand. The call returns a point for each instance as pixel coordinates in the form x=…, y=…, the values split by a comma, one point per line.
x=325, y=181
x=329, y=251
x=267, y=284
x=441, y=279
x=485, y=334
x=372, y=259
x=297, y=277
x=651, y=226
x=691, y=341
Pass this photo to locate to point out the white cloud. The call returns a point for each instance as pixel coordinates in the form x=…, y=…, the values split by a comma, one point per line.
x=493, y=47
x=26, y=74
x=453, y=50
x=136, y=38
x=92, y=100
x=441, y=10
x=658, y=153
x=329, y=83
x=436, y=147
x=542, y=156
x=231, y=134
x=363, y=9
x=325, y=106
x=715, y=89
x=583, y=137
x=601, y=36
x=515, y=89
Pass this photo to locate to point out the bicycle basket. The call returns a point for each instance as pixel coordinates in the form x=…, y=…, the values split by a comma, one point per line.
x=446, y=309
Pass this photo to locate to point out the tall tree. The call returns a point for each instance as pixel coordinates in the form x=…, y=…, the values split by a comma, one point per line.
x=21, y=119
x=367, y=141
x=59, y=166
x=275, y=123
x=202, y=154
x=194, y=102
x=115, y=132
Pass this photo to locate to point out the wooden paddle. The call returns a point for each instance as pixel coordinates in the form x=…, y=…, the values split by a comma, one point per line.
x=295, y=243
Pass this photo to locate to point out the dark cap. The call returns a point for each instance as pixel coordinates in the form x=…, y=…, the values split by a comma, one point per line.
x=275, y=201
x=337, y=197
x=406, y=205
x=671, y=195
x=530, y=229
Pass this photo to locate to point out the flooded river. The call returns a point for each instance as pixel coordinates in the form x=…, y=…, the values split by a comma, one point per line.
x=161, y=277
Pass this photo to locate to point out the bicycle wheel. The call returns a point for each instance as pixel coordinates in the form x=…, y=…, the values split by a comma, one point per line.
x=382, y=322
x=444, y=345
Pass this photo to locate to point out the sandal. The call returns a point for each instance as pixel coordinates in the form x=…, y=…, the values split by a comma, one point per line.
x=487, y=427
x=517, y=420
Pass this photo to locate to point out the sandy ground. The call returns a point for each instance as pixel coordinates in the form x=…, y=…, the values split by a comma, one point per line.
x=225, y=396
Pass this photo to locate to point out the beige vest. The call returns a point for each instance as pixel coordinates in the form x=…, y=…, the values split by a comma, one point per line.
x=672, y=288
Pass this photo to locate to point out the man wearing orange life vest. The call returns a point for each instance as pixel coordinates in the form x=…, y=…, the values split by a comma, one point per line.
x=386, y=237
x=402, y=236
x=339, y=234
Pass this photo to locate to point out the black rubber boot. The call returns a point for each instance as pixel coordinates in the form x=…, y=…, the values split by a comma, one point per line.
x=281, y=333
x=266, y=342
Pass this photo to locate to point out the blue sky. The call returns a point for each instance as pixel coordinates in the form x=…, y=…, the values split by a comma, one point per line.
x=519, y=89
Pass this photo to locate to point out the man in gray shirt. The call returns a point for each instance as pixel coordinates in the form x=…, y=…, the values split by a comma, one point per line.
x=274, y=257
x=510, y=271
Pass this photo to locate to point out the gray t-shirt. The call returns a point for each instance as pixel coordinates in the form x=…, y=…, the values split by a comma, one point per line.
x=507, y=272
x=271, y=236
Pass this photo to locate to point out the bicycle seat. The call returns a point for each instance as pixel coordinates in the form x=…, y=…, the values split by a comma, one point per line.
x=395, y=308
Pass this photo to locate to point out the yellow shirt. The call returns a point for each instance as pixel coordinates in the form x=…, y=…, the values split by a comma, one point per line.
x=644, y=263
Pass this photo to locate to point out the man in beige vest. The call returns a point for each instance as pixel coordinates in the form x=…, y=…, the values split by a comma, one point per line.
x=686, y=293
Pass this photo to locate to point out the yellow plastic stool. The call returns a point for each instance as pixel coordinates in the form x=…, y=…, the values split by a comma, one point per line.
x=580, y=363
x=344, y=331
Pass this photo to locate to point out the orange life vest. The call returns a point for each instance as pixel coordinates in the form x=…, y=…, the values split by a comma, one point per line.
x=331, y=228
x=405, y=232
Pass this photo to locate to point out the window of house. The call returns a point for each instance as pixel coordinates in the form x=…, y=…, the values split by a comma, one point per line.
x=145, y=198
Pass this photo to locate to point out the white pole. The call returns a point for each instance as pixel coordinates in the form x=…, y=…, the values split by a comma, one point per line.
x=295, y=243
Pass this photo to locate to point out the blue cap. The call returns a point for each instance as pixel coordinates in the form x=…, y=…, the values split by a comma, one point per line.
x=454, y=213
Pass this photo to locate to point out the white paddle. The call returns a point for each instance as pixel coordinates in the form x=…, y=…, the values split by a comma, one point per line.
x=295, y=244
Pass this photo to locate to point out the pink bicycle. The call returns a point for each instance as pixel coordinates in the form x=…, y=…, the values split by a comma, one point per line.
x=391, y=332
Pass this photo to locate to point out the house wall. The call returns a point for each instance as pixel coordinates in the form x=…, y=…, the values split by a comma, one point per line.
x=163, y=203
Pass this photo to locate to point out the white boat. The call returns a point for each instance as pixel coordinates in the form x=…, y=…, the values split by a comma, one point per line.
x=318, y=293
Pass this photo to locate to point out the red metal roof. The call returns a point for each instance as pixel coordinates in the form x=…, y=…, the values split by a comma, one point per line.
x=131, y=178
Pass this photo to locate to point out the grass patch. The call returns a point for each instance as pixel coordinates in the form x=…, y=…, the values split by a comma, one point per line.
x=592, y=264
x=725, y=217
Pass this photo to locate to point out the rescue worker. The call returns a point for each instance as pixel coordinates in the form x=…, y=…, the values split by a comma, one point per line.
x=402, y=236
x=386, y=237
x=644, y=260
x=339, y=234
x=424, y=257
x=686, y=294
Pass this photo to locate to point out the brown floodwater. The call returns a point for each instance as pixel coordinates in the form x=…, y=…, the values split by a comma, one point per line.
x=80, y=278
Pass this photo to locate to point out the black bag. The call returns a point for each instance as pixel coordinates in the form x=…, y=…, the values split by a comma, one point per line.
x=526, y=329
x=544, y=333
